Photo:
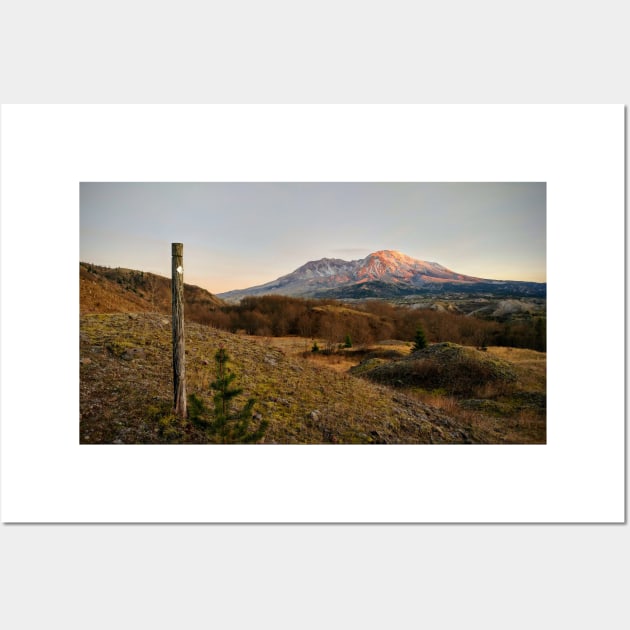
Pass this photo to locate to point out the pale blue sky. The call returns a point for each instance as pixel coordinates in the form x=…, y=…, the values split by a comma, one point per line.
x=237, y=235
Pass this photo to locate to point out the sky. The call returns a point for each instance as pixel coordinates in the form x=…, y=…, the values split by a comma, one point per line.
x=238, y=235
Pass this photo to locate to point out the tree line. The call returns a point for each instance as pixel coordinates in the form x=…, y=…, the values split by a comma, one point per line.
x=366, y=322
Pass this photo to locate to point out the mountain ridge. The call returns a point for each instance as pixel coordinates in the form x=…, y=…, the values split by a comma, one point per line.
x=121, y=290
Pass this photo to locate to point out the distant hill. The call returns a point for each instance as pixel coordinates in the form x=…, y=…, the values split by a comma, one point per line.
x=382, y=274
x=118, y=290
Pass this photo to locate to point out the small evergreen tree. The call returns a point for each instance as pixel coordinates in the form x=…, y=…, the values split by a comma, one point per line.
x=227, y=426
x=315, y=347
x=348, y=342
x=420, y=340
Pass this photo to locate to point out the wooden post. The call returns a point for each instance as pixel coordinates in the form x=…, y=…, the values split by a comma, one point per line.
x=179, y=366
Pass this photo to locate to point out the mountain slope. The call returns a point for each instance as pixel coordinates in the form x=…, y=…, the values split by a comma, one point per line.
x=105, y=290
x=386, y=274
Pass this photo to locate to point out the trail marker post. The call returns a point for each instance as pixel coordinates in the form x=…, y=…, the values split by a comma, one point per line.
x=179, y=366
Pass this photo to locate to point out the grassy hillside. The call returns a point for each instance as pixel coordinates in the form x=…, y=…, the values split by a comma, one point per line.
x=126, y=390
x=499, y=391
x=118, y=290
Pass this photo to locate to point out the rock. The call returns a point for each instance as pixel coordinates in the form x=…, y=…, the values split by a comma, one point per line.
x=117, y=442
x=86, y=361
x=314, y=415
x=133, y=353
x=257, y=416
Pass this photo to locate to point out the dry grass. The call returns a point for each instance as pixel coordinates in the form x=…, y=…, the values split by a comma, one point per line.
x=126, y=385
x=340, y=361
x=334, y=362
x=104, y=290
x=339, y=309
x=126, y=390
x=522, y=427
x=500, y=395
x=99, y=295
x=530, y=365
x=500, y=412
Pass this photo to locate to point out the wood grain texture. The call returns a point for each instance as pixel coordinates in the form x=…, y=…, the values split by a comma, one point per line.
x=179, y=360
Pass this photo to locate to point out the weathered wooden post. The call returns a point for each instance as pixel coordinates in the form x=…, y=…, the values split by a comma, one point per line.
x=179, y=366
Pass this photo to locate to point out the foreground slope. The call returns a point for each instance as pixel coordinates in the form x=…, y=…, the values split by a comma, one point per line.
x=126, y=379
x=499, y=391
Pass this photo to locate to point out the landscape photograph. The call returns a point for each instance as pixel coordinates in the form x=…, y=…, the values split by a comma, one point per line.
x=313, y=313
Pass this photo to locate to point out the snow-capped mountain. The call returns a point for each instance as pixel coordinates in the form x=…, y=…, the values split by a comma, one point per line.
x=386, y=273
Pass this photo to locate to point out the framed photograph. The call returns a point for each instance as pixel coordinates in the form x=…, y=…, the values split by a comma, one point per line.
x=314, y=314
x=378, y=347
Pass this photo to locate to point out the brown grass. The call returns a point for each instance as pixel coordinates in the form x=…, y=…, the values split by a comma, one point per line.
x=523, y=427
x=126, y=390
x=504, y=418
x=530, y=366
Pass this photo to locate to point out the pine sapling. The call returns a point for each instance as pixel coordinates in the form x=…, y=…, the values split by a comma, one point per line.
x=420, y=340
x=226, y=426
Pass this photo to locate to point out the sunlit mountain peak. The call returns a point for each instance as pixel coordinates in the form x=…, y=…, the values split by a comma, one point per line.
x=386, y=272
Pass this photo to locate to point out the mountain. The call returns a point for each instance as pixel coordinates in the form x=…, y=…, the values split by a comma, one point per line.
x=382, y=274
x=118, y=290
